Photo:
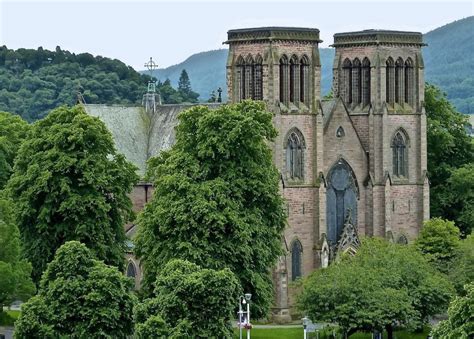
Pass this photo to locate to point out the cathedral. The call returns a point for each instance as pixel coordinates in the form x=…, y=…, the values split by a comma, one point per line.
x=351, y=165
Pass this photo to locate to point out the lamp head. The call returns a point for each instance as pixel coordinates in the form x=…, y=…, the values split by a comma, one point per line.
x=248, y=296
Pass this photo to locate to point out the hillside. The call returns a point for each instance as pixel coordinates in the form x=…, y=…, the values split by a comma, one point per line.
x=449, y=63
x=32, y=82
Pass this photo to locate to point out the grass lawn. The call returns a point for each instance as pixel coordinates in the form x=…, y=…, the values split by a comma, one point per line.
x=297, y=333
x=7, y=318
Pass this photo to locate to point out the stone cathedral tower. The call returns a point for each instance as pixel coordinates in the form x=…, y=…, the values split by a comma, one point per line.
x=353, y=165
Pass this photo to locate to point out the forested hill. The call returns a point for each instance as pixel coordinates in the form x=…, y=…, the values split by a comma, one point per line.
x=32, y=82
x=449, y=63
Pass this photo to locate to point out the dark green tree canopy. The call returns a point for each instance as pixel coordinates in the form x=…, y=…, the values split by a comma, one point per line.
x=69, y=183
x=184, y=88
x=381, y=285
x=79, y=297
x=216, y=199
x=13, y=131
x=449, y=148
x=187, y=298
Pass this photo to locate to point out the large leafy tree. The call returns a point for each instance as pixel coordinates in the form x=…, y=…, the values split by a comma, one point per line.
x=439, y=241
x=189, y=301
x=381, y=285
x=15, y=280
x=69, y=183
x=216, y=199
x=460, y=322
x=79, y=297
x=13, y=130
x=449, y=148
x=462, y=271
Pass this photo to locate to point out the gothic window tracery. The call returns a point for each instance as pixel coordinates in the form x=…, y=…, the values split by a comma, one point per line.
x=400, y=154
x=258, y=78
x=131, y=271
x=390, y=81
x=304, y=80
x=296, y=253
x=347, y=80
x=248, y=93
x=399, y=82
x=365, y=82
x=294, y=83
x=294, y=155
x=356, y=82
x=409, y=83
x=284, y=79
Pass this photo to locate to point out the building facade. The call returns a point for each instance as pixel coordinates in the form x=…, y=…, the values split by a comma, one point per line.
x=357, y=159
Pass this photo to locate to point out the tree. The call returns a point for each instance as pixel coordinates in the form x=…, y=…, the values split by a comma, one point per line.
x=449, y=148
x=189, y=300
x=461, y=272
x=69, y=183
x=15, y=280
x=217, y=200
x=439, y=241
x=13, y=131
x=460, y=322
x=184, y=88
x=78, y=297
x=383, y=284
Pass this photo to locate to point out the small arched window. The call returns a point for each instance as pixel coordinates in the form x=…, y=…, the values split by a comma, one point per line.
x=409, y=83
x=258, y=78
x=240, y=78
x=296, y=253
x=390, y=81
x=399, y=82
x=304, y=80
x=365, y=82
x=294, y=81
x=294, y=155
x=347, y=80
x=402, y=240
x=356, y=82
x=284, y=79
x=131, y=271
x=400, y=155
x=340, y=132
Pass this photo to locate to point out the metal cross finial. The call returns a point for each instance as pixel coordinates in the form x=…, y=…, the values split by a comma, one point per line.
x=151, y=65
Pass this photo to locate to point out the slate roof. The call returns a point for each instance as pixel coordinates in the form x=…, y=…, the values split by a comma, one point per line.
x=138, y=135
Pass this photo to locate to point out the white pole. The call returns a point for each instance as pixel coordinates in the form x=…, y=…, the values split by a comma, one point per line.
x=305, y=335
x=248, y=319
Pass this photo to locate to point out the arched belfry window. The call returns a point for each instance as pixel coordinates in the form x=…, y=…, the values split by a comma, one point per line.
x=400, y=154
x=248, y=94
x=304, y=80
x=409, y=82
x=295, y=155
x=131, y=270
x=294, y=79
x=356, y=82
x=399, y=82
x=284, y=79
x=365, y=82
x=258, y=78
x=347, y=80
x=390, y=81
x=296, y=254
x=240, y=78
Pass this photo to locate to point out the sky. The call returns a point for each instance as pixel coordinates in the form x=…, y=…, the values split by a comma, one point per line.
x=171, y=31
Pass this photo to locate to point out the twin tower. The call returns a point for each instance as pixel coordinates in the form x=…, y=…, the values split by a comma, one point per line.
x=352, y=165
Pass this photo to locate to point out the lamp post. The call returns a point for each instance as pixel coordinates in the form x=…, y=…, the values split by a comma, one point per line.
x=248, y=296
x=305, y=324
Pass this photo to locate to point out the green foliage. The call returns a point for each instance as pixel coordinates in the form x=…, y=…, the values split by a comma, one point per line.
x=382, y=284
x=15, y=280
x=189, y=300
x=462, y=272
x=449, y=148
x=69, y=183
x=13, y=130
x=32, y=82
x=439, y=241
x=79, y=297
x=216, y=199
x=460, y=322
x=184, y=88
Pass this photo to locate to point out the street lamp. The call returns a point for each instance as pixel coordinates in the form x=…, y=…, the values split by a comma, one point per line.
x=305, y=324
x=244, y=300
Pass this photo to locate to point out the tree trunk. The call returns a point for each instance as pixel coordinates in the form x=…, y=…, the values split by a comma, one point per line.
x=389, y=329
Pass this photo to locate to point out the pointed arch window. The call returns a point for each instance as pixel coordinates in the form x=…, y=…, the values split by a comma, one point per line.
x=258, y=79
x=400, y=156
x=365, y=82
x=248, y=93
x=402, y=240
x=399, y=82
x=294, y=79
x=347, y=80
x=294, y=155
x=356, y=82
x=409, y=83
x=284, y=79
x=240, y=78
x=304, y=80
x=131, y=271
x=296, y=254
x=390, y=81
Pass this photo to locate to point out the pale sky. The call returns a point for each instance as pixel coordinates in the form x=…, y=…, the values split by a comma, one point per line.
x=170, y=31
